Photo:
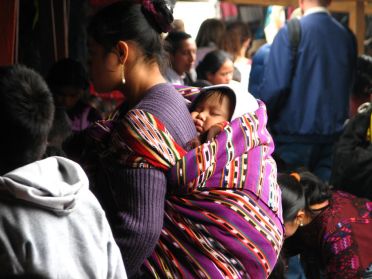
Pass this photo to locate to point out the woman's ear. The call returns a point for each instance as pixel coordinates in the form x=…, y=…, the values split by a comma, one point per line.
x=122, y=49
x=300, y=218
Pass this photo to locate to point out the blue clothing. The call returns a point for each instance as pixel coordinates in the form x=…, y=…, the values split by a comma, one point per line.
x=316, y=157
x=313, y=106
x=259, y=62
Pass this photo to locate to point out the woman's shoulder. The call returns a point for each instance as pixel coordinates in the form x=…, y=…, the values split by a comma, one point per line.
x=167, y=104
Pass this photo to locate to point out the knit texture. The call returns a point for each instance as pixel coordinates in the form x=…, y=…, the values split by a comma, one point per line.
x=133, y=198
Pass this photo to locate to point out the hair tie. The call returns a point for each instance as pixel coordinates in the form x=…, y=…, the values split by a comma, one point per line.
x=157, y=18
x=296, y=176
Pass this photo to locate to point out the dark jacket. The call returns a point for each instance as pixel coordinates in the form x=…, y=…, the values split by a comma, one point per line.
x=352, y=162
x=312, y=106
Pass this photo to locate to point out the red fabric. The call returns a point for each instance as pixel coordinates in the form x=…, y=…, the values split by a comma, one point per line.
x=338, y=241
x=116, y=95
x=228, y=10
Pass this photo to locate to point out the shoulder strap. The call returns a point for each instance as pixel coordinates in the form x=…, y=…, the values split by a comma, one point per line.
x=294, y=33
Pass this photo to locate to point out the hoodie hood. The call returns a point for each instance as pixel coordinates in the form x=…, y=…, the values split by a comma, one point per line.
x=53, y=184
x=245, y=102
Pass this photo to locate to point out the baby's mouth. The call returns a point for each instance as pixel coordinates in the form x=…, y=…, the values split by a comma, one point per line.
x=199, y=128
x=198, y=125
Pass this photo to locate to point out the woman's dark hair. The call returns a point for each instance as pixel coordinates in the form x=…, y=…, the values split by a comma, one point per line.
x=316, y=191
x=130, y=20
x=363, y=77
x=293, y=196
x=211, y=63
x=174, y=40
x=67, y=72
x=211, y=31
x=220, y=92
x=237, y=33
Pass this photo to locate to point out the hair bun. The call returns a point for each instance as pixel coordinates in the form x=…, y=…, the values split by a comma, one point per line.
x=159, y=14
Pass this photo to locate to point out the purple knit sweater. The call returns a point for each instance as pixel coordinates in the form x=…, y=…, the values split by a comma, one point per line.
x=134, y=198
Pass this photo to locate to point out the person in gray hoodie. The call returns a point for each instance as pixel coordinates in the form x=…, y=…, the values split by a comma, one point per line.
x=50, y=222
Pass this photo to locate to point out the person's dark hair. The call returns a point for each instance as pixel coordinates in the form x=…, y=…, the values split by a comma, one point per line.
x=67, y=72
x=316, y=191
x=130, y=20
x=211, y=63
x=211, y=31
x=220, y=93
x=60, y=131
x=27, y=114
x=237, y=33
x=174, y=40
x=363, y=77
x=293, y=196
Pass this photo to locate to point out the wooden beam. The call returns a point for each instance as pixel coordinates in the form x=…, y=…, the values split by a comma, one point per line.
x=8, y=29
x=265, y=2
x=358, y=24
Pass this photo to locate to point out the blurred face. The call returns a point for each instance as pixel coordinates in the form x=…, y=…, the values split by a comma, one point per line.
x=105, y=68
x=223, y=75
x=68, y=96
x=211, y=111
x=184, y=58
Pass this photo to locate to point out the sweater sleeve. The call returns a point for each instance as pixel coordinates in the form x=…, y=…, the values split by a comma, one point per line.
x=277, y=74
x=139, y=219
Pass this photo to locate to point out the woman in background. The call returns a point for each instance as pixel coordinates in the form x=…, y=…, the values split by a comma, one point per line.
x=332, y=233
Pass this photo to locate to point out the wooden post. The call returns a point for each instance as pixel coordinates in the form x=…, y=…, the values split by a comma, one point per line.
x=9, y=31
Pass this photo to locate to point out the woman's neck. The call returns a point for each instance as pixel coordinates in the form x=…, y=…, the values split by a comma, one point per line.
x=141, y=79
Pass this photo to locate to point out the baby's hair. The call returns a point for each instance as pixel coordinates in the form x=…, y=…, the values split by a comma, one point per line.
x=220, y=93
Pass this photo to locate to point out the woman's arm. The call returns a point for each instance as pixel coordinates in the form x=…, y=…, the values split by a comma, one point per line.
x=139, y=219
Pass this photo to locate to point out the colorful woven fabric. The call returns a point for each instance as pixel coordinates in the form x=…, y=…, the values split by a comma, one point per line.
x=223, y=213
x=140, y=140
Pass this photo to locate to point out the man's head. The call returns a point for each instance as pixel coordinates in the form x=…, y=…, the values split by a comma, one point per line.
x=182, y=51
x=306, y=4
x=215, y=104
x=26, y=112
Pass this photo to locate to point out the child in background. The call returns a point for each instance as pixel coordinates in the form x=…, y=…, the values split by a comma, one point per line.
x=68, y=81
x=51, y=223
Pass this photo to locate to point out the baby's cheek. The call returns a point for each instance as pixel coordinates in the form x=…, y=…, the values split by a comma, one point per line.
x=193, y=115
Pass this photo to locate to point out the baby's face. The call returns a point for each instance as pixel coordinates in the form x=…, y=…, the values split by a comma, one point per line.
x=211, y=111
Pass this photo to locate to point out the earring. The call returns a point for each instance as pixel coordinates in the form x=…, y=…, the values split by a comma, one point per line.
x=122, y=76
x=301, y=224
